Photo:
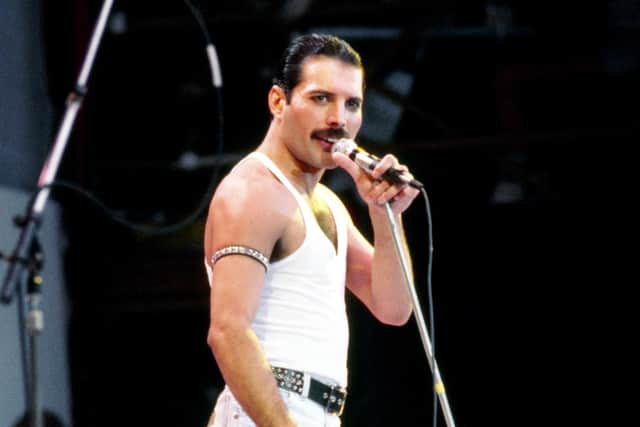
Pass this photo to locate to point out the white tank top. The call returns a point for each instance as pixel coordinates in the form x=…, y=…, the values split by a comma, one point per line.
x=301, y=321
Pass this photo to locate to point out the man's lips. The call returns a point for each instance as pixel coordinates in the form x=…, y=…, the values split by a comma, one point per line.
x=324, y=143
x=330, y=136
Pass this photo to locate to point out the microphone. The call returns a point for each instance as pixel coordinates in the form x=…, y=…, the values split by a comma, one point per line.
x=368, y=162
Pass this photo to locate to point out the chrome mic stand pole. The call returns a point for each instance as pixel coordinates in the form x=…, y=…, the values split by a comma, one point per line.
x=417, y=311
x=16, y=266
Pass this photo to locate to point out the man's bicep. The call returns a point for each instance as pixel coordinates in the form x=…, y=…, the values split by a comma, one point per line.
x=236, y=285
x=236, y=279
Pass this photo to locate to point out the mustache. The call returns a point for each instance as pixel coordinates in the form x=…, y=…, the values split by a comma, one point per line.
x=332, y=134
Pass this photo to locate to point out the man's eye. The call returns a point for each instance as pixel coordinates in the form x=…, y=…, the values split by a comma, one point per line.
x=321, y=98
x=353, y=105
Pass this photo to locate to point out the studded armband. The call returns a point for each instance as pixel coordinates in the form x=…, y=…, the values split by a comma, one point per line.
x=241, y=250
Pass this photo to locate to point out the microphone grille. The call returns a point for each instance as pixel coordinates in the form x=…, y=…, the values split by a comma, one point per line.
x=344, y=146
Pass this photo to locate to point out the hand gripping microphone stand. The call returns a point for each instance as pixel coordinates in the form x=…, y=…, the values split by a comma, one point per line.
x=417, y=311
x=23, y=255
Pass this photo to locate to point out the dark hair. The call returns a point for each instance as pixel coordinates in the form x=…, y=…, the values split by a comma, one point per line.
x=289, y=72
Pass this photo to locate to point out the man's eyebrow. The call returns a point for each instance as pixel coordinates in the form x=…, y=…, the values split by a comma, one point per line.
x=329, y=93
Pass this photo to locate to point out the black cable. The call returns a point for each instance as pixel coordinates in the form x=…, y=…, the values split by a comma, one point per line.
x=432, y=328
x=199, y=18
x=204, y=202
x=110, y=213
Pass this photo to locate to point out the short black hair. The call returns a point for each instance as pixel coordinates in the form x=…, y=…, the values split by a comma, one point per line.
x=302, y=47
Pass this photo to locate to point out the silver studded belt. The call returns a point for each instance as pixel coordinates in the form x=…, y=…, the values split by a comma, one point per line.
x=330, y=397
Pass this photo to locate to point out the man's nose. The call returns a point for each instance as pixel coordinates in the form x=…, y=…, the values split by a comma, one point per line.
x=336, y=115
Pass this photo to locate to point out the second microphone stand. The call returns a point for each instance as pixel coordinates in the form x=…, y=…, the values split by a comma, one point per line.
x=21, y=256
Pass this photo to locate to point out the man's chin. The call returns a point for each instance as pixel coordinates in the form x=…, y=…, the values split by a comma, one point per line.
x=329, y=163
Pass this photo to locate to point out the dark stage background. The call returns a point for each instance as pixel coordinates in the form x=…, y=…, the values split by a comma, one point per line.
x=512, y=115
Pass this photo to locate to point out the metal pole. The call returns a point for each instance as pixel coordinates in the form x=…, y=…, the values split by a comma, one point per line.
x=417, y=311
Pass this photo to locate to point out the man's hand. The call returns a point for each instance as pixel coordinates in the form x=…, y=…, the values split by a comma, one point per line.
x=376, y=191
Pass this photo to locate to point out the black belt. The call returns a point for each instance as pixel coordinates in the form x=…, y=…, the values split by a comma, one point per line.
x=330, y=397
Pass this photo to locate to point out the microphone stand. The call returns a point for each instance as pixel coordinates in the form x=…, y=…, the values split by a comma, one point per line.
x=417, y=311
x=31, y=220
x=31, y=322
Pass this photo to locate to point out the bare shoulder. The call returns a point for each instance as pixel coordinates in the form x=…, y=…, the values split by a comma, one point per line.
x=248, y=186
x=250, y=207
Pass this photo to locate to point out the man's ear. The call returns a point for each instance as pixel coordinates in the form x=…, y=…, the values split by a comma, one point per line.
x=277, y=99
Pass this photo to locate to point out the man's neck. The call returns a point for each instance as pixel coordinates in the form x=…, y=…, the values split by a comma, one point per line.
x=297, y=172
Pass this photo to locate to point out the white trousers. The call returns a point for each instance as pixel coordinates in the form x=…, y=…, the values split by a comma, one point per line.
x=307, y=413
